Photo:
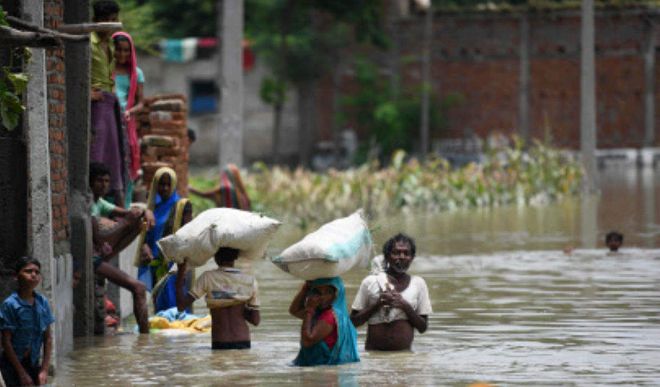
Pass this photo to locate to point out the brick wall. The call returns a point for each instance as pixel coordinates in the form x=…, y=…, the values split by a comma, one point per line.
x=53, y=16
x=477, y=55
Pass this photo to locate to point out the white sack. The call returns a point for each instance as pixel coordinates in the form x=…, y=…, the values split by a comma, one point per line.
x=329, y=251
x=200, y=239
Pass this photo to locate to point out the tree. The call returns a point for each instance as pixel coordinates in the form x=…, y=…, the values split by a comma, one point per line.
x=301, y=41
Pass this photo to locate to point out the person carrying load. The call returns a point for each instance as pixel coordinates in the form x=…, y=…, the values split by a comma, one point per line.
x=230, y=191
x=231, y=295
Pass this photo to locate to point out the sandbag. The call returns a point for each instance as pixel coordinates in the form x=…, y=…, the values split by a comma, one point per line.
x=201, y=238
x=330, y=251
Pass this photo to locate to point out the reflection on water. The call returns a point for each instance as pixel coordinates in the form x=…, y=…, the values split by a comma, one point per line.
x=510, y=307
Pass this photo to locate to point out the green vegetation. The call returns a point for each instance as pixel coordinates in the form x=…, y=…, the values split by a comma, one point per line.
x=507, y=176
x=12, y=84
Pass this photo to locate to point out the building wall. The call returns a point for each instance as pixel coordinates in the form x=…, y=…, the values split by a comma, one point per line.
x=168, y=77
x=53, y=17
x=478, y=57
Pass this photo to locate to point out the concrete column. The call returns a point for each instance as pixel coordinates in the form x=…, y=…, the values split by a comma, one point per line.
x=40, y=239
x=523, y=91
x=230, y=36
x=77, y=62
x=588, y=97
x=649, y=85
x=426, y=82
x=56, y=271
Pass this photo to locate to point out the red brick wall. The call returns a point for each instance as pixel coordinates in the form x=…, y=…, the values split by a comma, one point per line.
x=53, y=16
x=478, y=57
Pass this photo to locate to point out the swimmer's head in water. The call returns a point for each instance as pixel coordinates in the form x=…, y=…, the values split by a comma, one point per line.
x=614, y=240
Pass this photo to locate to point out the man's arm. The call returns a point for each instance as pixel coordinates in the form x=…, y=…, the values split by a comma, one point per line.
x=418, y=321
x=359, y=317
x=310, y=335
x=182, y=300
x=24, y=377
x=297, y=307
x=362, y=311
x=45, y=363
x=251, y=315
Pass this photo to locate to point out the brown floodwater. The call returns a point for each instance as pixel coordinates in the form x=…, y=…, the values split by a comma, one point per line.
x=521, y=296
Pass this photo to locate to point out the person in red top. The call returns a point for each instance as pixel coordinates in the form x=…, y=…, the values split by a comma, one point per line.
x=327, y=336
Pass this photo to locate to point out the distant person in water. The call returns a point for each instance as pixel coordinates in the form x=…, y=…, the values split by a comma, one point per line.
x=393, y=302
x=230, y=191
x=613, y=241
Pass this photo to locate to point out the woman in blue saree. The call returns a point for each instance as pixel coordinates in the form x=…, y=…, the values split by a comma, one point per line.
x=327, y=336
x=171, y=212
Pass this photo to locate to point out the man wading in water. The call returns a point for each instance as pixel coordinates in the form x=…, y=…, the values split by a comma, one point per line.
x=393, y=302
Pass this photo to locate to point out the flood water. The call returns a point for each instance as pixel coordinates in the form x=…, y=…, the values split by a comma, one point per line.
x=521, y=296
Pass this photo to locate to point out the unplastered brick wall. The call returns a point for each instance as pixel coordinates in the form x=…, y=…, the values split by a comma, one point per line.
x=163, y=131
x=477, y=57
x=53, y=17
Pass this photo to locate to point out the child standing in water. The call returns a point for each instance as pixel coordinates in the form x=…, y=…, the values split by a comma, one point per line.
x=232, y=297
x=25, y=319
x=129, y=85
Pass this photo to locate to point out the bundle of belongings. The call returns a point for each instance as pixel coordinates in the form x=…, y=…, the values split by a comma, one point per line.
x=330, y=251
x=200, y=239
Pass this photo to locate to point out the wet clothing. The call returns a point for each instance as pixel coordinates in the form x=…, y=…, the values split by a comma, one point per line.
x=102, y=64
x=108, y=142
x=234, y=345
x=10, y=376
x=27, y=324
x=329, y=318
x=102, y=208
x=345, y=350
x=416, y=294
x=225, y=287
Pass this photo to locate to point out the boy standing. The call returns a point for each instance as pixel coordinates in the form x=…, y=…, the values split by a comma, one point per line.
x=614, y=240
x=25, y=319
x=231, y=296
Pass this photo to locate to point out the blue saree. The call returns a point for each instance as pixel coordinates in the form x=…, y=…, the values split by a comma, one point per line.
x=345, y=349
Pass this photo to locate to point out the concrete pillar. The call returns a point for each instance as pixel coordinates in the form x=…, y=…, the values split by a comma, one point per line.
x=588, y=97
x=426, y=82
x=230, y=36
x=77, y=62
x=56, y=270
x=523, y=91
x=649, y=84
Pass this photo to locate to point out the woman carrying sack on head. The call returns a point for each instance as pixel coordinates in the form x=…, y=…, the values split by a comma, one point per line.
x=230, y=191
x=171, y=212
x=327, y=336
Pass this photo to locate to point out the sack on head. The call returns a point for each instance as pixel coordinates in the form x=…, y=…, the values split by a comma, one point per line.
x=330, y=251
x=201, y=238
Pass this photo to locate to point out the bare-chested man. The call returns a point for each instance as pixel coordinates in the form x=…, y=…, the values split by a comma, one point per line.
x=392, y=302
x=232, y=297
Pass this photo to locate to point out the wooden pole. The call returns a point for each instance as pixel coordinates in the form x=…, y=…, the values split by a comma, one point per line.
x=426, y=82
x=230, y=36
x=588, y=97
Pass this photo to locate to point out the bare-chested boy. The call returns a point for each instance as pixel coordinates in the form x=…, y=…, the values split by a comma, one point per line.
x=232, y=297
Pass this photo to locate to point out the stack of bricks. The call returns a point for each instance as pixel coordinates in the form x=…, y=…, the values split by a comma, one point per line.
x=163, y=131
